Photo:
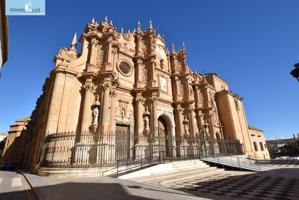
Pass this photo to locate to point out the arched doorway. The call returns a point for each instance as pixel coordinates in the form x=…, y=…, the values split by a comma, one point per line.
x=164, y=135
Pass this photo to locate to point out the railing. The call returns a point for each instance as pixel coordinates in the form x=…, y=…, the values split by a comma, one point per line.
x=244, y=163
x=86, y=149
x=139, y=162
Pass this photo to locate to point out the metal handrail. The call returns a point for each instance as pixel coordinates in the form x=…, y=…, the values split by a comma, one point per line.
x=235, y=161
x=136, y=161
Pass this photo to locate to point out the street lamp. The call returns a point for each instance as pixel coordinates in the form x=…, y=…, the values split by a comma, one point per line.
x=295, y=72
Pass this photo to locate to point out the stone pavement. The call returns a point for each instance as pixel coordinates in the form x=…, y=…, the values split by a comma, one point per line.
x=76, y=188
x=263, y=185
x=278, y=183
x=13, y=186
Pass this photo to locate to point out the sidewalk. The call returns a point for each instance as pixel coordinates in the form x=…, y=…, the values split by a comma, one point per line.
x=90, y=188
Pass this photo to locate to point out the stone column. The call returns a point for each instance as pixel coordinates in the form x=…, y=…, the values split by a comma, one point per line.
x=153, y=73
x=176, y=88
x=65, y=103
x=140, y=141
x=93, y=54
x=55, y=103
x=139, y=116
x=109, y=55
x=113, y=96
x=105, y=111
x=139, y=70
x=153, y=119
x=180, y=121
x=86, y=112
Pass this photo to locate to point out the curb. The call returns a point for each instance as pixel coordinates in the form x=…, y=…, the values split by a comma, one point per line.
x=34, y=195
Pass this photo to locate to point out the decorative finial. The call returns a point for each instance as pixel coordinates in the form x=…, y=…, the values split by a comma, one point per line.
x=134, y=30
x=184, y=48
x=93, y=21
x=111, y=23
x=106, y=19
x=138, y=26
x=150, y=25
x=74, y=42
x=172, y=48
x=122, y=30
x=129, y=31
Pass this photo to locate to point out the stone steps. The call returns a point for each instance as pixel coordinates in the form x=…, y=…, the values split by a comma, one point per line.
x=166, y=168
x=179, y=176
x=204, y=174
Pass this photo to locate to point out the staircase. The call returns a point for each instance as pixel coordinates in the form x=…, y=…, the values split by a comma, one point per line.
x=170, y=173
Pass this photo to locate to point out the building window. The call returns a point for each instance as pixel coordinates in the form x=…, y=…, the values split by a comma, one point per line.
x=124, y=68
x=255, y=146
x=262, y=146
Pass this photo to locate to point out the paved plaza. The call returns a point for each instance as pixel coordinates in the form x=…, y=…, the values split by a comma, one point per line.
x=280, y=183
x=250, y=186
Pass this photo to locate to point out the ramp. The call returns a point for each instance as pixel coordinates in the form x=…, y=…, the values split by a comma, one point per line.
x=237, y=162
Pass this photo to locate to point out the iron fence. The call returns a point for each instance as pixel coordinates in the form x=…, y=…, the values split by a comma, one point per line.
x=86, y=149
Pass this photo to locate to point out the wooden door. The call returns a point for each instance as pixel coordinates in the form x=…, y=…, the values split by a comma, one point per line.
x=122, y=142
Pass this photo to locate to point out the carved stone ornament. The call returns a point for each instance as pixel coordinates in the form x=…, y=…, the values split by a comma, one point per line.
x=65, y=53
x=88, y=87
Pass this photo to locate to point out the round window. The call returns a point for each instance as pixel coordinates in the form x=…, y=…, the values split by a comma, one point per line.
x=124, y=68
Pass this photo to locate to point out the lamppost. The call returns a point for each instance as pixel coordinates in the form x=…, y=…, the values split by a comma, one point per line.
x=295, y=72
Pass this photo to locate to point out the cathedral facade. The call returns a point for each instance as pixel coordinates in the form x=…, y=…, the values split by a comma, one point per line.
x=129, y=85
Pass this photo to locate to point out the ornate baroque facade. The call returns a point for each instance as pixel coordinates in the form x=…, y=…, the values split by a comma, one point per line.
x=129, y=82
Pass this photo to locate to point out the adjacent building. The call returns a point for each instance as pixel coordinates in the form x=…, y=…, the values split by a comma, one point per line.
x=259, y=143
x=2, y=143
x=125, y=96
x=3, y=34
x=14, y=142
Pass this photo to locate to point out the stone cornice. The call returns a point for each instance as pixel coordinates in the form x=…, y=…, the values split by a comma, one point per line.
x=222, y=92
x=65, y=70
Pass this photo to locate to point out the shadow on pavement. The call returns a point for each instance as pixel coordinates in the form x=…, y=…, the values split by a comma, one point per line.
x=282, y=184
x=76, y=191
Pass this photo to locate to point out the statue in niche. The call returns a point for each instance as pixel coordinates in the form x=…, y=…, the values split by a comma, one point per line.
x=95, y=115
x=95, y=111
x=146, y=119
x=146, y=123
x=123, y=113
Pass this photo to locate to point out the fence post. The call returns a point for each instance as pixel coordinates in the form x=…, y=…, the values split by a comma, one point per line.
x=117, y=168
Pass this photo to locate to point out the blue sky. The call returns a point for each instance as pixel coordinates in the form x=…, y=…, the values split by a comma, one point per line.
x=252, y=44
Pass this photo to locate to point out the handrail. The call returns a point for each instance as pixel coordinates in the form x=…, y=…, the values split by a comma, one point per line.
x=141, y=161
x=235, y=161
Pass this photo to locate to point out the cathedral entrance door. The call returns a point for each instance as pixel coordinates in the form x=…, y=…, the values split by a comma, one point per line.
x=163, y=137
x=122, y=142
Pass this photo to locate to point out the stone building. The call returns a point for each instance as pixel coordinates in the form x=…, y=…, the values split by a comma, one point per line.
x=126, y=89
x=259, y=143
x=3, y=34
x=14, y=146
